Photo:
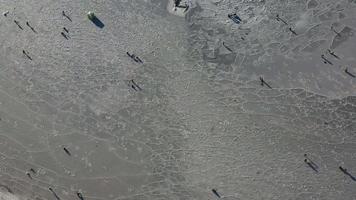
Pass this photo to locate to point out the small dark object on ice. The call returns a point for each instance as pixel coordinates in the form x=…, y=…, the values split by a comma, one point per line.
x=234, y=18
x=347, y=173
x=131, y=55
x=349, y=73
x=216, y=193
x=186, y=7
x=134, y=57
x=291, y=30
x=326, y=61
x=80, y=196
x=333, y=54
x=226, y=47
x=26, y=54
x=137, y=59
x=343, y=169
x=263, y=82
x=65, y=15
x=280, y=19
x=28, y=24
x=337, y=33
x=309, y=163
x=177, y=3
x=29, y=175
x=33, y=171
x=134, y=85
x=55, y=195
x=65, y=29
x=64, y=35
x=18, y=24
x=67, y=152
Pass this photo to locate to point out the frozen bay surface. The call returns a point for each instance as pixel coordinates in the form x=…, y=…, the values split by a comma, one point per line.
x=201, y=119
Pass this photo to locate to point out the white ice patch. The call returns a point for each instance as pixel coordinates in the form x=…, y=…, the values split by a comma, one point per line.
x=302, y=24
x=9, y=196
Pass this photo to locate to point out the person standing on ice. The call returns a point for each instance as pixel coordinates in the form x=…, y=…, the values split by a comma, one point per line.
x=234, y=18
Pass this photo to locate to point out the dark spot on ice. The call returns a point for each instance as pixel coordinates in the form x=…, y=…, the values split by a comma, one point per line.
x=98, y=22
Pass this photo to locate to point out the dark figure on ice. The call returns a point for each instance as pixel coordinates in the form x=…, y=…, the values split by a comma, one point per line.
x=134, y=85
x=263, y=82
x=80, y=196
x=349, y=73
x=65, y=29
x=216, y=193
x=134, y=57
x=280, y=19
x=54, y=194
x=137, y=59
x=28, y=24
x=29, y=175
x=177, y=3
x=18, y=24
x=308, y=160
x=347, y=173
x=26, y=54
x=65, y=15
x=337, y=33
x=291, y=30
x=226, y=47
x=186, y=7
x=67, y=152
x=234, y=18
x=64, y=35
x=131, y=55
x=343, y=169
x=310, y=164
x=326, y=61
x=33, y=171
x=333, y=54
x=6, y=13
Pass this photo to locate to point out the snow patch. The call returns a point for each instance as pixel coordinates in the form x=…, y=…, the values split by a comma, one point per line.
x=302, y=24
x=9, y=196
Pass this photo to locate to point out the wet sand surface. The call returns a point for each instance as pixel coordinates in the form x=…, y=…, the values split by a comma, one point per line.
x=193, y=115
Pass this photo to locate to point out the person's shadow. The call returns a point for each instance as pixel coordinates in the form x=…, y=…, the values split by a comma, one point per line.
x=98, y=22
x=347, y=173
x=351, y=176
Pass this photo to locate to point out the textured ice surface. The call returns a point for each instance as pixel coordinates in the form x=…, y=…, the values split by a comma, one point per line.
x=201, y=121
